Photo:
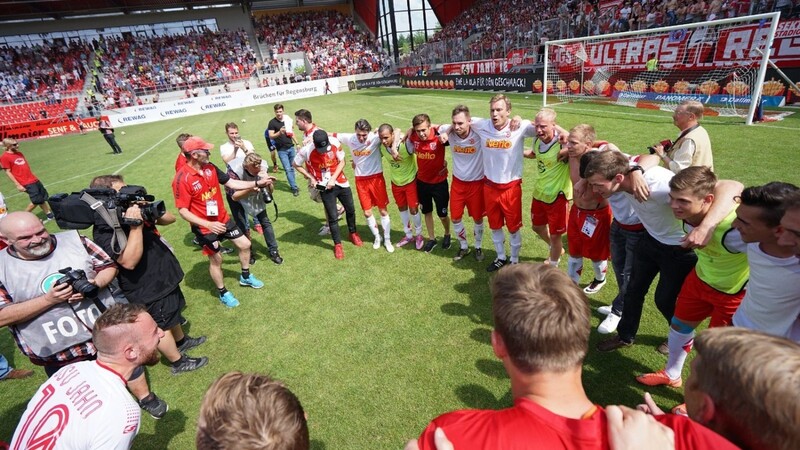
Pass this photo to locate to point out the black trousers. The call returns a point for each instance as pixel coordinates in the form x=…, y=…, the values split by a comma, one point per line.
x=345, y=197
x=113, y=143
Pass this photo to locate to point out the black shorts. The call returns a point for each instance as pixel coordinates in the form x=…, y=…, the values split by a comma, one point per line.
x=429, y=193
x=166, y=311
x=210, y=241
x=36, y=192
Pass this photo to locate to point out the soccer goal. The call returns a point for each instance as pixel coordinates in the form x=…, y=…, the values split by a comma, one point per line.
x=721, y=63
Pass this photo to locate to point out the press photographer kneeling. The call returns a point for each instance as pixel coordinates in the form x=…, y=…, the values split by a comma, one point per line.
x=149, y=272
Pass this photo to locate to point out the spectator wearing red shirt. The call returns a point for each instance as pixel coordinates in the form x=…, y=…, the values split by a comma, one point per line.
x=198, y=196
x=19, y=172
x=431, y=177
x=541, y=335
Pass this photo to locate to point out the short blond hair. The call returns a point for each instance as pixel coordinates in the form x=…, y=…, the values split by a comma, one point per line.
x=251, y=412
x=547, y=114
x=584, y=132
x=754, y=380
x=542, y=317
x=501, y=98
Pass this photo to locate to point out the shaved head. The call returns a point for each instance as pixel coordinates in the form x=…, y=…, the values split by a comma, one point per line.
x=17, y=220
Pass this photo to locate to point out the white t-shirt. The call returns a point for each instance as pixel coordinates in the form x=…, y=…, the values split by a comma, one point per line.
x=366, y=155
x=502, y=149
x=227, y=150
x=655, y=214
x=622, y=209
x=772, y=301
x=84, y=405
x=467, y=156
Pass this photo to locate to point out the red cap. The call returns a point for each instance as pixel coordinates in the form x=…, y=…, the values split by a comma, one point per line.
x=195, y=143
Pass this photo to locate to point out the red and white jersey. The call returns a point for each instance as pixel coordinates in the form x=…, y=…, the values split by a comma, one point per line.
x=467, y=157
x=85, y=405
x=502, y=149
x=366, y=155
x=322, y=166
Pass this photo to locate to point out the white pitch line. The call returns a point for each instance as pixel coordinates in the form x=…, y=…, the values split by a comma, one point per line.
x=146, y=151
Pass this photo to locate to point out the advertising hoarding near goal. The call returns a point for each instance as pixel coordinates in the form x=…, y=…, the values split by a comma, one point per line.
x=723, y=60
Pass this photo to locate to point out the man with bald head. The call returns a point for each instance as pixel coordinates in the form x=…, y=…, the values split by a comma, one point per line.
x=50, y=321
x=90, y=396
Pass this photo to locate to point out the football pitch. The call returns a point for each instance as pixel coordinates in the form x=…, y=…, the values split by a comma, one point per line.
x=378, y=344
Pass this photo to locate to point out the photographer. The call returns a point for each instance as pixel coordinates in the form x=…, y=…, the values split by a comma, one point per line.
x=693, y=146
x=150, y=275
x=255, y=199
x=50, y=321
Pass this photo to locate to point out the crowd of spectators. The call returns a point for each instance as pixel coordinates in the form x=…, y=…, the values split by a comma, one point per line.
x=144, y=64
x=45, y=71
x=330, y=40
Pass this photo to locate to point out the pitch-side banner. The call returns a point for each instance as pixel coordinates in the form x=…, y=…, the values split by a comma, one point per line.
x=377, y=82
x=44, y=128
x=136, y=115
x=503, y=82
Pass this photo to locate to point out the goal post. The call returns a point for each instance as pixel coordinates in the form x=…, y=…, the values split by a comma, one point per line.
x=721, y=63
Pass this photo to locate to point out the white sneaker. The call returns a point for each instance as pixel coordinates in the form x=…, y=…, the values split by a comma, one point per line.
x=325, y=230
x=604, y=310
x=609, y=325
x=388, y=245
x=377, y=244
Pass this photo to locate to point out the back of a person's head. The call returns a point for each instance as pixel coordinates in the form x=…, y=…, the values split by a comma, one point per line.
x=754, y=382
x=251, y=412
x=542, y=316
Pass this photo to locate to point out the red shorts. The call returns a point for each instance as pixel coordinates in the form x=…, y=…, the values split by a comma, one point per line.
x=372, y=191
x=467, y=194
x=405, y=196
x=697, y=300
x=503, y=205
x=554, y=215
x=583, y=222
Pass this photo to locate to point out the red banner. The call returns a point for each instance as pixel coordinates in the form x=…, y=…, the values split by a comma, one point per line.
x=44, y=129
x=481, y=67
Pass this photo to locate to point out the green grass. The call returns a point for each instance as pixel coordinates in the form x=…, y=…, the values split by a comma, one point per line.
x=376, y=345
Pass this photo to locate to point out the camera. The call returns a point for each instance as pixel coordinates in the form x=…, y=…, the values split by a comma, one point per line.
x=72, y=213
x=666, y=143
x=266, y=195
x=77, y=279
x=150, y=208
x=321, y=187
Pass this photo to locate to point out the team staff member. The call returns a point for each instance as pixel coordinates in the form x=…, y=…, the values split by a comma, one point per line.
x=19, y=172
x=370, y=185
x=552, y=188
x=322, y=162
x=199, y=200
x=432, y=186
x=150, y=274
x=281, y=130
x=693, y=146
x=31, y=303
x=104, y=416
x=467, y=189
x=403, y=173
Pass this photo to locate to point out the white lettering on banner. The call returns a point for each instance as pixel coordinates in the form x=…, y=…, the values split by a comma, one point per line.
x=788, y=29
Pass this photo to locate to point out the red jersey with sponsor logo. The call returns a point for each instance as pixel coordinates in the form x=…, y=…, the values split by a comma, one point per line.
x=16, y=163
x=529, y=426
x=194, y=190
x=322, y=165
x=180, y=162
x=430, y=157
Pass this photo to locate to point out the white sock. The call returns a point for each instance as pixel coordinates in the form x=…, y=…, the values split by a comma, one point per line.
x=478, y=232
x=677, y=353
x=516, y=245
x=417, y=218
x=600, y=269
x=574, y=268
x=461, y=234
x=373, y=226
x=386, y=224
x=499, y=239
x=405, y=216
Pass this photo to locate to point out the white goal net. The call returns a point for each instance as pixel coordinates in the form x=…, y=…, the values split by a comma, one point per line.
x=721, y=63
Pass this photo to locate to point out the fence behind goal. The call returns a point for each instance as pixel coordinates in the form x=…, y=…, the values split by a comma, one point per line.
x=721, y=63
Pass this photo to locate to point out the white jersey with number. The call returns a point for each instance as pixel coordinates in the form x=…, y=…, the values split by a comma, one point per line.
x=467, y=156
x=366, y=155
x=84, y=405
x=502, y=149
x=772, y=301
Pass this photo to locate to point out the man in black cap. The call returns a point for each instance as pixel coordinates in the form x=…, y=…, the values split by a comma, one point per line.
x=322, y=161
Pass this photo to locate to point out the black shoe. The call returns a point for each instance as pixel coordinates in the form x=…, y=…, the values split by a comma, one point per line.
x=187, y=364
x=663, y=348
x=296, y=192
x=195, y=241
x=252, y=260
x=496, y=265
x=478, y=254
x=275, y=257
x=154, y=405
x=446, y=241
x=190, y=343
x=462, y=252
x=429, y=246
x=611, y=344
x=225, y=250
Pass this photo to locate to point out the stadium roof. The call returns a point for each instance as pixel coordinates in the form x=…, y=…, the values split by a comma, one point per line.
x=14, y=10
